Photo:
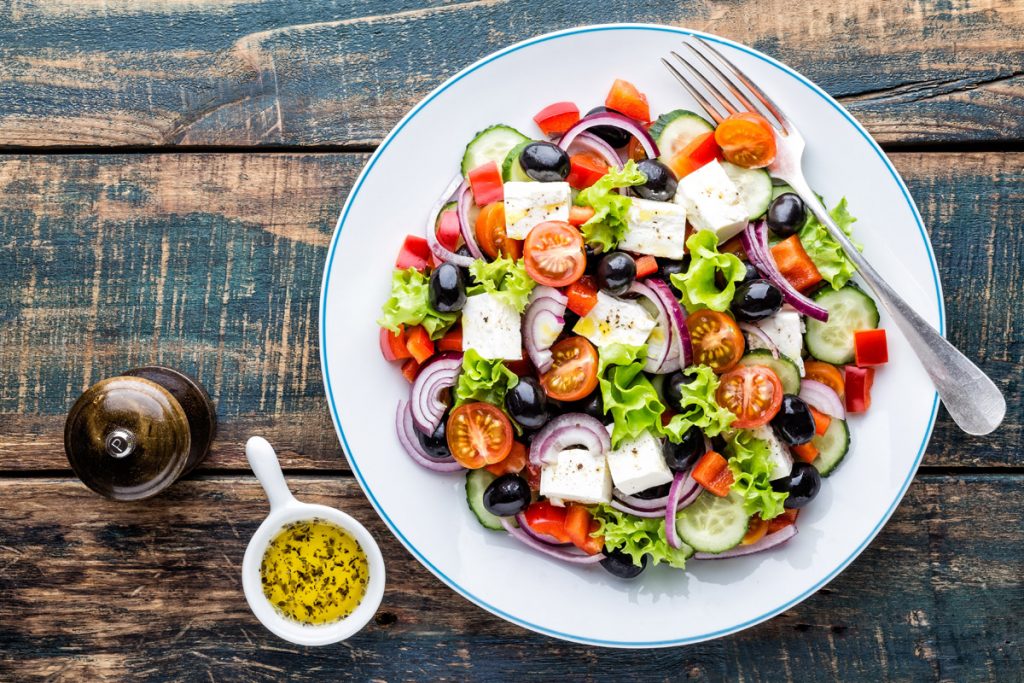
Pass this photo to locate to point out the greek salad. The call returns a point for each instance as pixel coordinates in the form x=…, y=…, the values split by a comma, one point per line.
x=635, y=344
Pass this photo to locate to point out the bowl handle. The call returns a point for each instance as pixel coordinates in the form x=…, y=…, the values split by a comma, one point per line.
x=264, y=464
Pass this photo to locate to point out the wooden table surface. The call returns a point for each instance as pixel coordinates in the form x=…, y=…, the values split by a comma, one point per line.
x=170, y=173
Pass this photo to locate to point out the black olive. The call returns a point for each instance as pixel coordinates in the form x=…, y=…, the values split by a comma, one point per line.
x=527, y=403
x=669, y=267
x=463, y=251
x=447, y=291
x=802, y=485
x=507, y=495
x=756, y=300
x=593, y=259
x=661, y=181
x=592, y=405
x=794, y=423
x=672, y=390
x=621, y=565
x=718, y=444
x=614, y=136
x=545, y=162
x=680, y=457
x=616, y=272
x=571, y=319
x=436, y=444
x=653, y=492
x=786, y=214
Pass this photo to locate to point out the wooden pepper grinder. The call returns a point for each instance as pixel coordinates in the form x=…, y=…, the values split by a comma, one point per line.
x=130, y=437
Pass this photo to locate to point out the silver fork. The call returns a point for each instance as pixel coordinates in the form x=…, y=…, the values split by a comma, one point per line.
x=972, y=399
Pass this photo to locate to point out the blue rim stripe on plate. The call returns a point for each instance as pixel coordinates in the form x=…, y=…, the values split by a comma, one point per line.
x=351, y=456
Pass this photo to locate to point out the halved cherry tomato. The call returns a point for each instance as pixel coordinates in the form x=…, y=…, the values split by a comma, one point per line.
x=827, y=374
x=870, y=347
x=513, y=463
x=582, y=295
x=410, y=369
x=578, y=215
x=755, y=531
x=490, y=233
x=415, y=253
x=585, y=169
x=805, y=451
x=624, y=97
x=452, y=341
x=734, y=246
x=858, y=388
x=448, y=232
x=699, y=151
x=578, y=526
x=716, y=340
x=713, y=473
x=645, y=265
x=554, y=254
x=545, y=518
x=821, y=421
x=479, y=434
x=557, y=118
x=787, y=517
x=753, y=393
x=392, y=344
x=485, y=181
x=794, y=263
x=418, y=341
x=574, y=372
x=747, y=140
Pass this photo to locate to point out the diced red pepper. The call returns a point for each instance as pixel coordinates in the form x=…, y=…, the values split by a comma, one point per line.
x=448, y=232
x=646, y=265
x=805, y=451
x=787, y=517
x=585, y=169
x=545, y=518
x=794, y=264
x=415, y=253
x=513, y=463
x=392, y=345
x=419, y=343
x=410, y=369
x=713, y=473
x=578, y=215
x=734, y=246
x=452, y=341
x=870, y=347
x=625, y=98
x=485, y=181
x=578, y=526
x=858, y=388
x=582, y=295
x=557, y=118
x=821, y=421
x=698, y=152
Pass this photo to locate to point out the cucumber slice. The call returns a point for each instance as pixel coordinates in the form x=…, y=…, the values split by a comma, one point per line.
x=832, y=446
x=849, y=309
x=511, y=169
x=491, y=144
x=712, y=524
x=477, y=482
x=786, y=369
x=755, y=186
x=676, y=129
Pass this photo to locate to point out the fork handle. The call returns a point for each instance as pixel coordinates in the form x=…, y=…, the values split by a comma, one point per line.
x=972, y=399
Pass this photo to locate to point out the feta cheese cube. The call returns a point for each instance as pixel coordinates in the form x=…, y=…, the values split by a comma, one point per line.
x=614, y=321
x=780, y=457
x=577, y=475
x=712, y=201
x=638, y=464
x=527, y=204
x=492, y=328
x=655, y=228
x=786, y=330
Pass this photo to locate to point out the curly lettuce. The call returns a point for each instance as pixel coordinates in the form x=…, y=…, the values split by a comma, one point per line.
x=409, y=304
x=505, y=278
x=700, y=409
x=626, y=392
x=698, y=284
x=828, y=256
x=637, y=537
x=483, y=379
x=608, y=224
x=750, y=463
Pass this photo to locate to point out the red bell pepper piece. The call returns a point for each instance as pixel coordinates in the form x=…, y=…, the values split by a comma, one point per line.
x=392, y=345
x=452, y=341
x=821, y=421
x=794, y=264
x=700, y=151
x=713, y=473
x=578, y=526
x=858, y=388
x=578, y=215
x=646, y=265
x=545, y=518
x=485, y=181
x=626, y=99
x=787, y=517
x=585, y=169
x=805, y=451
x=557, y=118
x=870, y=347
x=582, y=295
x=410, y=369
x=415, y=253
x=448, y=232
x=418, y=341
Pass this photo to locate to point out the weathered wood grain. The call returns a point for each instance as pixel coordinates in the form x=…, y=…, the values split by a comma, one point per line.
x=102, y=591
x=212, y=264
x=237, y=72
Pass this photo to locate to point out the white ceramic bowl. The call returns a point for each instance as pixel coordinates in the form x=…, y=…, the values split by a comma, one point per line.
x=285, y=509
x=427, y=512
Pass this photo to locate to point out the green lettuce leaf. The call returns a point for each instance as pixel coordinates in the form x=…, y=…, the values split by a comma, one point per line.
x=505, y=279
x=626, y=392
x=700, y=409
x=698, y=282
x=826, y=253
x=483, y=379
x=637, y=537
x=750, y=465
x=608, y=224
x=409, y=304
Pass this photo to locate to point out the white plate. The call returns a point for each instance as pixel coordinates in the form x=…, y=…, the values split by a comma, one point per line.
x=427, y=511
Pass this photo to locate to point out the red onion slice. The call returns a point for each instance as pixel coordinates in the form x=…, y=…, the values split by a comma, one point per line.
x=769, y=541
x=567, y=431
x=465, y=203
x=649, y=514
x=822, y=397
x=755, y=243
x=676, y=316
x=439, y=250
x=542, y=323
x=558, y=553
x=761, y=336
x=543, y=538
x=646, y=504
x=588, y=142
x=610, y=118
x=657, y=358
x=407, y=436
x=439, y=374
x=670, y=510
